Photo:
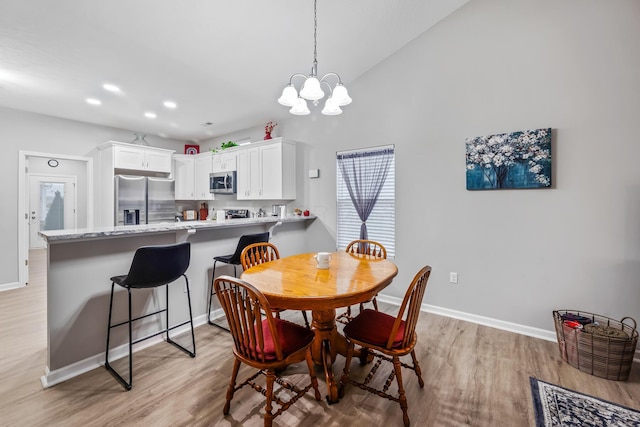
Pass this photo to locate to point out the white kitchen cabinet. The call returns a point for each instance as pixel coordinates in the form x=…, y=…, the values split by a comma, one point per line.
x=184, y=173
x=248, y=175
x=132, y=157
x=203, y=167
x=267, y=171
x=224, y=162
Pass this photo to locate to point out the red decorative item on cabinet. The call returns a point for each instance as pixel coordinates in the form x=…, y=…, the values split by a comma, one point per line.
x=191, y=149
x=268, y=129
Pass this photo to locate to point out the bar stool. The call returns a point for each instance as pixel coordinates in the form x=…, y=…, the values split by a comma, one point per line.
x=233, y=259
x=152, y=266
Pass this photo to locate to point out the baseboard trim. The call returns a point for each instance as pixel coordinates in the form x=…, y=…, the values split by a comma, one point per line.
x=51, y=378
x=487, y=321
x=9, y=286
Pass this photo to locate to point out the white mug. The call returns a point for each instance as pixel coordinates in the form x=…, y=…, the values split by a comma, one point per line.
x=323, y=259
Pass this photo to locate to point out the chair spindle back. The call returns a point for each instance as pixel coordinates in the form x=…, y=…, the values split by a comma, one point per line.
x=244, y=307
x=258, y=253
x=367, y=247
x=411, y=304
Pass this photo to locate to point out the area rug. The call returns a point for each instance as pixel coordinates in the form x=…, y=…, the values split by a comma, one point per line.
x=558, y=406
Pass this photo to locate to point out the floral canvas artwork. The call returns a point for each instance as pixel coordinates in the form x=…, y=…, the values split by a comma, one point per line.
x=509, y=160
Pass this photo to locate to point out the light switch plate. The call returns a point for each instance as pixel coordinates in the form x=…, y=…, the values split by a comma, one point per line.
x=314, y=173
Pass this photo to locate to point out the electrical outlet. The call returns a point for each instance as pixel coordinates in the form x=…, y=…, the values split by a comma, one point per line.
x=453, y=277
x=184, y=289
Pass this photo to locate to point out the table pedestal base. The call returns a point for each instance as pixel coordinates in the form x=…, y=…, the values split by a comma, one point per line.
x=326, y=345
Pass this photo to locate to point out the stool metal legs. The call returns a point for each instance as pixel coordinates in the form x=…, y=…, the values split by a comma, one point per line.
x=129, y=322
x=212, y=293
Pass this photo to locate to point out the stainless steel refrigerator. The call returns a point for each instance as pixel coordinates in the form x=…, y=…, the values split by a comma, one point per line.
x=143, y=200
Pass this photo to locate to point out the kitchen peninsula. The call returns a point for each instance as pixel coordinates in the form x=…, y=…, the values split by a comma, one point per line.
x=81, y=262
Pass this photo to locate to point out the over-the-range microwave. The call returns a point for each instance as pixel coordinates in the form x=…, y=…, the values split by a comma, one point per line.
x=223, y=182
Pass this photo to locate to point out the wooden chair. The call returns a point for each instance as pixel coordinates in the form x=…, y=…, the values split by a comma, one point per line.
x=268, y=344
x=387, y=338
x=259, y=253
x=368, y=248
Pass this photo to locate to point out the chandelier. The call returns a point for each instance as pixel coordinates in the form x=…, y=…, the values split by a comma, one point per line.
x=311, y=88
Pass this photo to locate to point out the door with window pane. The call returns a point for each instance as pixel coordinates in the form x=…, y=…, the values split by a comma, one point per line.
x=52, y=206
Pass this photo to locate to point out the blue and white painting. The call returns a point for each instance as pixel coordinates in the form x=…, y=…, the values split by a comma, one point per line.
x=509, y=160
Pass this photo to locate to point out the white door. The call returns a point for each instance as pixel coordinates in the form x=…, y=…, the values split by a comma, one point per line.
x=52, y=206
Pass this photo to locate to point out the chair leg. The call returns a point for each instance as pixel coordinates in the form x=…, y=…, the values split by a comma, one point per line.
x=345, y=372
x=364, y=356
x=268, y=415
x=106, y=353
x=402, y=396
x=375, y=303
x=416, y=368
x=193, y=335
x=312, y=373
x=211, y=294
x=169, y=340
x=306, y=321
x=108, y=367
x=232, y=386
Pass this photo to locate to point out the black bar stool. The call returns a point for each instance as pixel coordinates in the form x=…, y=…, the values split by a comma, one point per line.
x=234, y=259
x=152, y=266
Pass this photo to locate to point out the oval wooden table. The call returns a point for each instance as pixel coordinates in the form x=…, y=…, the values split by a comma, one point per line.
x=296, y=283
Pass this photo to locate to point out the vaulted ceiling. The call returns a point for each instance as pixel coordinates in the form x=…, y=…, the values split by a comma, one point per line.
x=224, y=63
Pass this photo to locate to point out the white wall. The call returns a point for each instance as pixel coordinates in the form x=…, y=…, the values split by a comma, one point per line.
x=33, y=132
x=498, y=66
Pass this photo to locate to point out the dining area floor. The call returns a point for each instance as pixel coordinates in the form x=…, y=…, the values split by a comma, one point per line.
x=474, y=375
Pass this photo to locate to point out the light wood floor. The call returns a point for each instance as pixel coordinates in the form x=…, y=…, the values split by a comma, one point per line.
x=474, y=375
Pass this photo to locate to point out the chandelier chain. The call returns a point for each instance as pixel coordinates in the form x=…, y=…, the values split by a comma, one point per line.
x=315, y=31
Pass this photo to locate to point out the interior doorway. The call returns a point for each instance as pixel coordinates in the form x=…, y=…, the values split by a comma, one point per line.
x=41, y=176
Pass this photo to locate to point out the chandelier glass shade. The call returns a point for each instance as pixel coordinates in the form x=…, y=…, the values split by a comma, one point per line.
x=311, y=88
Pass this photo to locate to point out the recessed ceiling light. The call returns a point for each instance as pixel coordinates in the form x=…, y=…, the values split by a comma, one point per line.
x=150, y=115
x=170, y=104
x=93, y=101
x=110, y=87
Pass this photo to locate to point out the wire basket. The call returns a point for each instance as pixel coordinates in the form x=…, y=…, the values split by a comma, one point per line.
x=605, y=350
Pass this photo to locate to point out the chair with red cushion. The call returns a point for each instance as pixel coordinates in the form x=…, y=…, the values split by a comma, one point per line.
x=368, y=249
x=264, y=342
x=388, y=338
x=259, y=253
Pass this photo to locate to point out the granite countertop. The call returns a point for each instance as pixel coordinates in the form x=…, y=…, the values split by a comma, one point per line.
x=60, y=236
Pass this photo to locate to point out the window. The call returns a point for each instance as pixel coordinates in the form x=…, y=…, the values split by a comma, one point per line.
x=366, y=170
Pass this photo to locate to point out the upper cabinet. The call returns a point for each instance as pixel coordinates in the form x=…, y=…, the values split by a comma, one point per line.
x=224, y=162
x=203, y=167
x=139, y=158
x=191, y=173
x=267, y=171
x=184, y=168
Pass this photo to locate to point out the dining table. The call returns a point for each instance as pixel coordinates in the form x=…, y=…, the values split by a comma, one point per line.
x=296, y=283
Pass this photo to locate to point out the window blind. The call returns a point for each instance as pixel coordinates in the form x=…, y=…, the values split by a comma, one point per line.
x=381, y=221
